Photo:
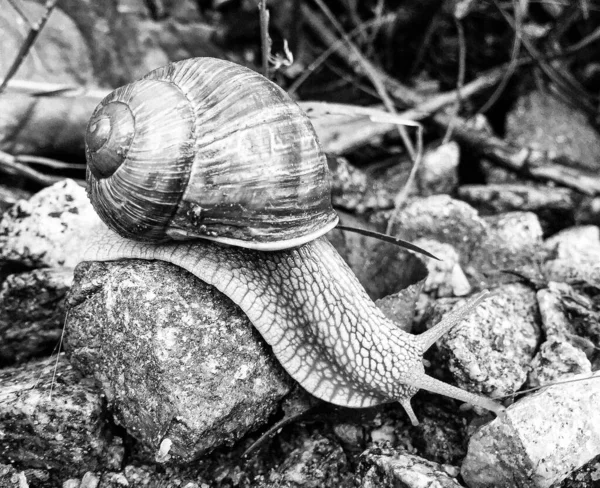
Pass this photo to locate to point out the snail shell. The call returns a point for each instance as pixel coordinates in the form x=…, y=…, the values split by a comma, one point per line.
x=205, y=148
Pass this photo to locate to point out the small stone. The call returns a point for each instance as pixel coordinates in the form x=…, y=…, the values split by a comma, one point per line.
x=350, y=435
x=113, y=480
x=71, y=483
x=48, y=229
x=10, y=477
x=389, y=468
x=385, y=433
x=438, y=173
x=557, y=360
x=445, y=276
x=115, y=454
x=576, y=255
x=162, y=456
x=489, y=352
x=554, y=206
x=89, y=480
x=539, y=440
x=317, y=462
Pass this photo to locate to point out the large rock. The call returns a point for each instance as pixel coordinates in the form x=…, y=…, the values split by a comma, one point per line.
x=181, y=366
x=539, y=440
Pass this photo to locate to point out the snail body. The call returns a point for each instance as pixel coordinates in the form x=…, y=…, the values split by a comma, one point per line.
x=294, y=287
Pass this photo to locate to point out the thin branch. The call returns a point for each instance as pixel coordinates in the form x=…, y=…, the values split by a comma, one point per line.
x=33, y=34
x=462, y=65
x=10, y=165
x=370, y=71
x=265, y=40
x=17, y=8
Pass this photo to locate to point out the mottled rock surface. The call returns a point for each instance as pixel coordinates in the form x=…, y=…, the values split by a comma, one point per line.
x=491, y=350
x=52, y=420
x=539, y=440
x=178, y=362
x=48, y=229
x=390, y=468
x=32, y=313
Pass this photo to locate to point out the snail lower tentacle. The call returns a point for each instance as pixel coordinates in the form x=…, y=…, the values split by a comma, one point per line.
x=313, y=312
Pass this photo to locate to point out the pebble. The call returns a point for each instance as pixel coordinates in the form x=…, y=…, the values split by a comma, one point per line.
x=389, y=468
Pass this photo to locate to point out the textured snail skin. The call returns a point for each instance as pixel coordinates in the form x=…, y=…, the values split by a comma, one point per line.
x=313, y=312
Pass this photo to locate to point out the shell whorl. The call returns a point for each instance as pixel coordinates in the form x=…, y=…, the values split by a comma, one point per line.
x=207, y=148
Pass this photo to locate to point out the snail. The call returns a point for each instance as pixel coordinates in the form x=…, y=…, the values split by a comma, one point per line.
x=210, y=166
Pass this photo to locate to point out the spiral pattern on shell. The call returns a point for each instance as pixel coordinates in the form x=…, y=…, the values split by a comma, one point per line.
x=207, y=148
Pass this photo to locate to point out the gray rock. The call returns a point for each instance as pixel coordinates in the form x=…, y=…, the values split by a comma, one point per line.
x=555, y=207
x=491, y=351
x=539, y=440
x=11, y=477
x=181, y=366
x=442, y=219
x=512, y=242
x=48, y=229
x=557, y=360
x=445, y=277
x=581, y=243
x=543, y=122
x=575, y=255
x=32, y=313
x=386, y=467
x=438, y=172
x=51, y=419
x=317, y=462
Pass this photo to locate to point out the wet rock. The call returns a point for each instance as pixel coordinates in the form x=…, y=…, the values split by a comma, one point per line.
x=32, y=313
x=48, y=229
x=491, y=350
x=386, y=467
x=181, y=366
x=51, y=419
x=317, y=462
x=554, y=206
x=539, y=440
